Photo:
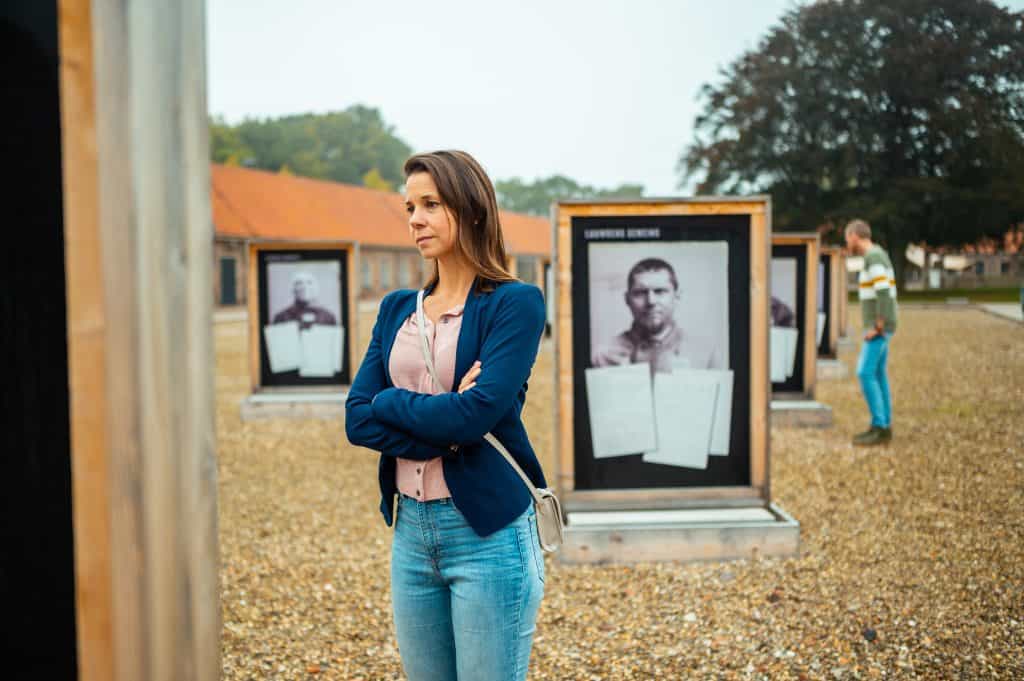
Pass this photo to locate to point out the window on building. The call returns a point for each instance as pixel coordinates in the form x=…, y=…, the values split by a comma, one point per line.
x=979, y=268
x=385, y=271
x=367, y=274
x=404, y=272
x=527, y=270
x=1004, y=267
x=228, y=281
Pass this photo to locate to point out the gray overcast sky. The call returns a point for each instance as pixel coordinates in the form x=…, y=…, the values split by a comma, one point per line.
x=604, y=92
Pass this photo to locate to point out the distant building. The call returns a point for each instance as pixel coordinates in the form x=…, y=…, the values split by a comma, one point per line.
x=256, y=205
x=989, y=263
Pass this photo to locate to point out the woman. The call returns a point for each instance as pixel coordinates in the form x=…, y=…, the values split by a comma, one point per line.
x=467, y=573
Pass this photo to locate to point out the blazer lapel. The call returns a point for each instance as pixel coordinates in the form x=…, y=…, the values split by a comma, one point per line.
x=401, y=313
x=468, y=346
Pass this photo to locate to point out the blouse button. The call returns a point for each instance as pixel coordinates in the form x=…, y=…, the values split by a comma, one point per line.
x=417, y=469
x=444, y=320
x=417, y=492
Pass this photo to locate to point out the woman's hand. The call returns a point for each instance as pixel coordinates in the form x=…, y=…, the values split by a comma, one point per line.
x=469, y=380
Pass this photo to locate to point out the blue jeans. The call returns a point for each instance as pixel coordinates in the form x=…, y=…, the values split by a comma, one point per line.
x=874, y=382
x=464, y=605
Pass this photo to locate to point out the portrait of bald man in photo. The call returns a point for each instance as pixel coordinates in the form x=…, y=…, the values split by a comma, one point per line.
x=658, y=334
x=304, y=308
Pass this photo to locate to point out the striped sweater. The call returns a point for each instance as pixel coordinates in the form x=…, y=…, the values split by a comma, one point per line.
x=878, y=289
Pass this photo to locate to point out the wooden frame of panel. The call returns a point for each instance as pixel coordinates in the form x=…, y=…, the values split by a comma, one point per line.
x=138, y=262
x=837, y=287
x=811, y=242
x=757, y=493
x=253, y=304
x=844, y=298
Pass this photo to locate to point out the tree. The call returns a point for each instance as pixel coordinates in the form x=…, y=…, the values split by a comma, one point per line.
x=535, y=197
x=226, y=146
x=344, y=146
x=909, y=113
x=373, y=180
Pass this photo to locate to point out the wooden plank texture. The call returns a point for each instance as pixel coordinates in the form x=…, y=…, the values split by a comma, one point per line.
x=86, y=315
x=140, y=319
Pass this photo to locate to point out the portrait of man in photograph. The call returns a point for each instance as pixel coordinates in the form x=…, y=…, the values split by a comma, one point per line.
x=782, y=314
x=657, y=335
x=304, y=308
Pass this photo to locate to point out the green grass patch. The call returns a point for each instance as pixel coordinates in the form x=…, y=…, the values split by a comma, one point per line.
x=974, y=295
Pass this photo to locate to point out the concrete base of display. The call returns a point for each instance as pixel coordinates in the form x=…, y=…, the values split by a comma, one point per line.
x=292, y=404
x=832, y=369
x=847, y=343
x=679, y=535
x=801, y=414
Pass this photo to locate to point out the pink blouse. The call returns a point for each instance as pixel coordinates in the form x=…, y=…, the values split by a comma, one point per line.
x=424, y=480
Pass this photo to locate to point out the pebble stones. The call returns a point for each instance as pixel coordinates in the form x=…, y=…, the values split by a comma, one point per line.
x=911, y=565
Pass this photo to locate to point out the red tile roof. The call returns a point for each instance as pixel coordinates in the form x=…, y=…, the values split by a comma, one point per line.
x=257, y=204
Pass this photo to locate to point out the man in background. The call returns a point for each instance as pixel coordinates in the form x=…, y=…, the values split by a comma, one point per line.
x=654, y=337
x=877, y=292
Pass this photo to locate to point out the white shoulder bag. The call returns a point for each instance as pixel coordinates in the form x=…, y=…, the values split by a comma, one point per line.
x=548, y=510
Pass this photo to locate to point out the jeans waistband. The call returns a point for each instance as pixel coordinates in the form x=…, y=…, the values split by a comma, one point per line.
x=443, y=500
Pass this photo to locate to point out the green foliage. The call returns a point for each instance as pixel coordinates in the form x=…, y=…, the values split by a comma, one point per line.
x=344, y=146
x=226, y=145
x=373, y=180
x=908, y=113
x=535, y=197
x=973, y=295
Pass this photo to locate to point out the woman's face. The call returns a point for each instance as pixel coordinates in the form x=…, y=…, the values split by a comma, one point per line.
x=431, y=224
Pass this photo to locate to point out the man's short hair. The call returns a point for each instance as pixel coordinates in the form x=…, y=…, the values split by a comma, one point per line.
x=860, y=228
x=651, y=265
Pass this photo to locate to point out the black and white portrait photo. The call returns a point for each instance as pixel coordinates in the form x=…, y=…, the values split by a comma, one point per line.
x=661, y=331
x=823, y=286
x=784, y=292
x=305, y=292
x=302, y=311
x=663, y=303
x=658, y=381
x=785, y=332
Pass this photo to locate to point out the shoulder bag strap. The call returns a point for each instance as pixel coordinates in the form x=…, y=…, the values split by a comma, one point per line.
x=493, y=441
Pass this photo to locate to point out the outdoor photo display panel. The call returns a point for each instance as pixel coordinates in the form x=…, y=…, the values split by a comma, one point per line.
x=303, y=304
x=661, y=351
x=825, y=274
x=788, y=314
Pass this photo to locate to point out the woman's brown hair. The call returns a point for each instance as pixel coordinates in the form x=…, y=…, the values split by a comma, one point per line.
x=468, y=194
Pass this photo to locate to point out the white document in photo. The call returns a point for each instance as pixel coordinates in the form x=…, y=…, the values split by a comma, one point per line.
x=722, y=425
x=792, y=338
x=621, y=410
x=684, y=410
x=722, y=422
x=821, y=325
x=779, y=354
x=339, y=348
x=283, y=346
x=318, y=344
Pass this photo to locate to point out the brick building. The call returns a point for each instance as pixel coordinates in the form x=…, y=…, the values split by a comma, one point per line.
x=256, y=205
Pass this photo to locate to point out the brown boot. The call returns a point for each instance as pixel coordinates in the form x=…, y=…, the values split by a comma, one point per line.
x=869, y=438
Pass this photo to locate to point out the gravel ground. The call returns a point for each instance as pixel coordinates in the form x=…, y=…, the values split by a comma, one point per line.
x=911, y=564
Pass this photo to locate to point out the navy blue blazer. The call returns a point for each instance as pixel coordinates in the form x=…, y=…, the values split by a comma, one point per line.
x=501, y=328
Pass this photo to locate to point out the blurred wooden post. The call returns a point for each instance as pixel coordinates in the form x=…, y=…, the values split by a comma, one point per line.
x=138, y=262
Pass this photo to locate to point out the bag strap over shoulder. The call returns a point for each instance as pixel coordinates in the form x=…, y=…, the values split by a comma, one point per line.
x=493, y=441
